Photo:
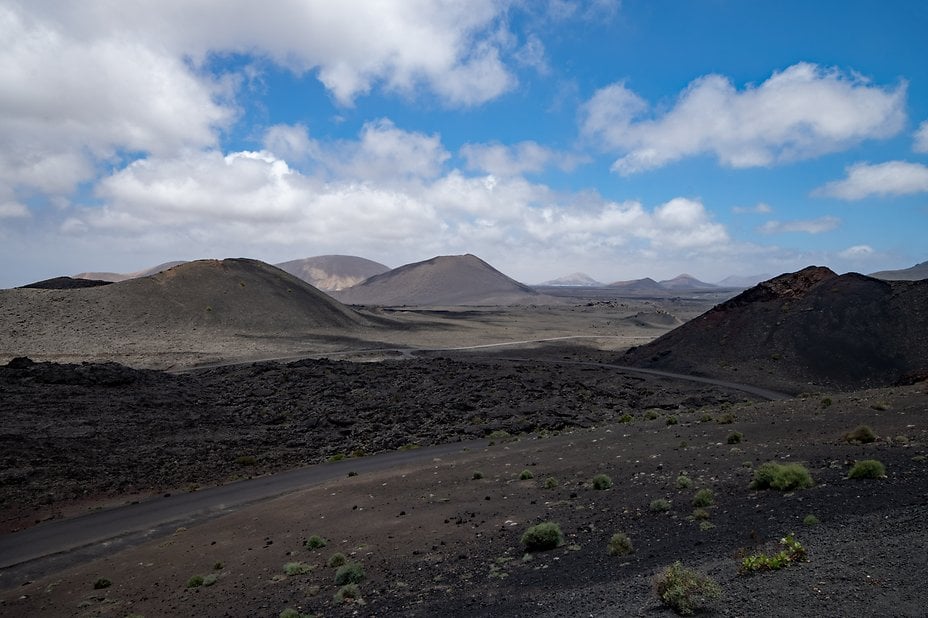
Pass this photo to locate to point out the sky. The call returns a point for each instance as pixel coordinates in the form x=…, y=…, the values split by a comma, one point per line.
x=621, y=139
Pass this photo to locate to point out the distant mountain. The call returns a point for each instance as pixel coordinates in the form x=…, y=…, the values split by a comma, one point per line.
x=742, y=281
x=913, y=273
x=640, y=287
x=686, y=282
x=574, y=280
x=442, y=280
x=115, y=277
x=65, y=283
x=333, y=272
x=802, y=328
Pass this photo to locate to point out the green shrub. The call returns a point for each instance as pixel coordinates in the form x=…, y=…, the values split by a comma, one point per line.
x=297, y=568
x=477, y=475
x=867, y=469
x=336, y=457
x=246, y=460
x=551, y=482
x=700, y=514
x=735, y=437
x=706, y=525
x=526, y=475
x=626, y=418
x=703, y=497
x=349, y=573
x=672, y=420
x=620, y=544
x=826, y=402
x=210, y=579
x=705, y=418
x=102, y=583
x=601, y=481
x=659, y=506
x=792, y=551
x=651, y=415
x=336, y=560
x=685, y=590
x=810, y=520
x=348, y=593
x=684, y=482
x=501, y=435
x=218, y=566
x=782, y=477
x=315, y=542
x=544, y=536
x=195, y=582
x=726, y=419
x=862, y=434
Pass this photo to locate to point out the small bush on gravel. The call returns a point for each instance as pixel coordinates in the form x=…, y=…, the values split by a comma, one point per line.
x=195, y=582
x=246, y=460
x=349, y=573
x=551, y=482
x=601, y=481
x=672, y=420
x=782, y=477
x=651, y=415
x=705, y=418
x=620, y=544
x=735, y=437
x=703, y=497
x=102, y=583
x=792, y=551
x=526, y=475
x=862, y=434
x=867, y=469
x=544, y=536
x=210, y=579
x=217, y=566
x=810, y=520
x=684, y=482
x=684, y=590
x=659, y=506
x=826, y=402
x=292, y=613
x=626, y=418
x=700, y=514
x=315, y=542
x=297, y=568
x=477, y=475
x=726, y=419
x=336, y=560
x=349, y=593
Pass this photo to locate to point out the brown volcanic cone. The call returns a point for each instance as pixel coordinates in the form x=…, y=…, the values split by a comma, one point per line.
x=811, y=326
x=333, y=272
x=443, y=280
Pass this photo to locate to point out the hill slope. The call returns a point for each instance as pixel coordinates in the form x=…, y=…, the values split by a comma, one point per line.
x=442, y=280
x=116, y=277
x=573, y=280
x=913, y=273
x=333, y=272
x=812, y=326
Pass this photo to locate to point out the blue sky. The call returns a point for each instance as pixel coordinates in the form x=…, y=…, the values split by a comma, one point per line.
x=621, y=139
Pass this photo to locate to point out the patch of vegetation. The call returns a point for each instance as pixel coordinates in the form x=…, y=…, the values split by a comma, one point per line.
x=651, y=415
x=705, y=418
x=601, y=482
x=826, y=402
x=659, y=505
x=684, y=482
x=672, y=420
x=410, y=446
x=685, y=590
x=881, y=406
x=477, y=475
x=526, y=475
x=195, y=582
x=218, y=566
x=349, y=573
x=349, y=593
x=862, y=434
x=811, y=520
x=792, y=551
x=246, y=460
x=703, y=498
x=336, y=457
x=620, y=545
x=700, y=514
x=867, y=469
x=706, y=525
x=551, y=482
x=297, y=568
x=292, y=613
x=626, y=418
x=726, y=419
x=210, y=579
x=544, y=536
x=735, y=437
x=336, y=560
x=315, y=542
x=501, y=435
x=782, y=477
x=102, y=583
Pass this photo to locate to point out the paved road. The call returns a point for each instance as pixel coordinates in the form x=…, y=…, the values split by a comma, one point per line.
x=156, y=516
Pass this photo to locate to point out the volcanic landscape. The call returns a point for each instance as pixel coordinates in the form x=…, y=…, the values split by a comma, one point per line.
x=207, y=438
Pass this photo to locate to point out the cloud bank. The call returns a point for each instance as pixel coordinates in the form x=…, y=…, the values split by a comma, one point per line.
x=864, y=180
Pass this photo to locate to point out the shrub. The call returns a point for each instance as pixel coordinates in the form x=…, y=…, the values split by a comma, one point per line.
x=626, y=418
x=650, y=415
x=735, y=437
x=526, y=475
x=297, y=568
x=195, y=582
x=544, y=536
x=706, y=525
x=703, y=498
x=336, y=560
x=684, y=482
x=672, y=420
x=792, y=551
x=810, y=520
x=685, y=590
x=601, y=481
x=551, y=482
x=210, y=579
x=292, y=613
x=477, y=475
x=620, y=544
x=246, y=460
x=349, y=573
x=218, y=566
x=781, y=477
x=726, y=419
x=315, y=542
x=659, y=506
x=102, y=583
x=700, y=514
x=867, y=469
x=826, y=402
x=862, y=434
x=705, y=418
x=348, y=593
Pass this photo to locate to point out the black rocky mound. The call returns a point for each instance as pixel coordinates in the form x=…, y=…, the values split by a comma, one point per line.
x=811, y=327
x=65, y=283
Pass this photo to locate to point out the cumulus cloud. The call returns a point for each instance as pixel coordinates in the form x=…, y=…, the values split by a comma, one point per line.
x=798, y=113
x=857, y=252
x=13, y=210
x=921, y=138
x=883, y=179
x=521, y=158
x=808, y=226
x=758, y=209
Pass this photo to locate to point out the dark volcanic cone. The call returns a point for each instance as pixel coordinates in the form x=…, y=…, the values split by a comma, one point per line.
x=65, y=283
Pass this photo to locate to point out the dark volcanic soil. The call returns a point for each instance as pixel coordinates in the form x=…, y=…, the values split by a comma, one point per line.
x=85, y=432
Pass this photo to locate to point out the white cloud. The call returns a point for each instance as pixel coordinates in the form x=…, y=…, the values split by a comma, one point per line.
x=883, y=179
x=759, y=209
x=799, y=113
x=921, y=138
x=13, y=210
x=808, y=226
x=521, y=158
x=857, y=252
